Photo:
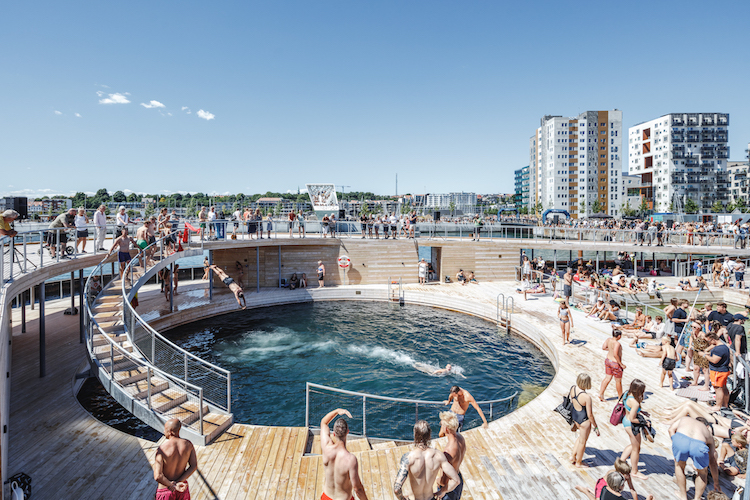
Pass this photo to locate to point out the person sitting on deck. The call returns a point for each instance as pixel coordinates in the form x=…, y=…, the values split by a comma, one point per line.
x=623, y=468
x=596, y=309
x=638, y=323
x=293, y=282
x=472, y=278
x=733, y=456
x=611, y=313
x=239, y=295
x=461, y=277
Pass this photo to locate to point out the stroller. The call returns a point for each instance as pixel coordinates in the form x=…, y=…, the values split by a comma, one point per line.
x=65, y=249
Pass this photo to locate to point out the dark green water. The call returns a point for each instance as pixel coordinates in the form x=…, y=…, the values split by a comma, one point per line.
x=369, y=347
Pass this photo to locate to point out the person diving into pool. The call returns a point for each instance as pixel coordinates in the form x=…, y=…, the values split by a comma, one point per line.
x=429, y=370
x=239, y=294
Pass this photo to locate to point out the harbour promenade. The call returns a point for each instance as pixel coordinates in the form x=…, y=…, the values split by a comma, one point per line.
x=520, y=455
x=524, y=453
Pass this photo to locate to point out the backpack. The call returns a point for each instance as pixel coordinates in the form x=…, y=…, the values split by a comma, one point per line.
x=20, y=486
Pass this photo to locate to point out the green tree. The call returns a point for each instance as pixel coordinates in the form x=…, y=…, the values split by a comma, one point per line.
x=131, y=213
x=717, y=207
x=102, y=195
x=596, y=207
x=279, y=208
x=691, y=206
x=523, y=211
x=644, y=206
x=119, y=197
x=671, y=207
x=132, y=198
x=627, y=210
x=79, y=200
x=452, y=207
x=405, y=208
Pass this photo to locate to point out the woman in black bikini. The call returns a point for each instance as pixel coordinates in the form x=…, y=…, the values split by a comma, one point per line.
x=583, y=417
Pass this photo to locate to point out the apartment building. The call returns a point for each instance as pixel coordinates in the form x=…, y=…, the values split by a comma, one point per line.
x=738, y=185
x=578, y=162
x=681, y=157
x=535, y=171
x=521, y=197
x=630, y=194
x=464, y=202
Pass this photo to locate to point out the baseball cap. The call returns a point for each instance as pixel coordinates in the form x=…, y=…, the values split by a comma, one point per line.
x=739, y=317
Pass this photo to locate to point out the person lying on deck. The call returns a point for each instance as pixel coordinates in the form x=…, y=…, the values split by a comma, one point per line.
x=239, y=294
x=537, y=288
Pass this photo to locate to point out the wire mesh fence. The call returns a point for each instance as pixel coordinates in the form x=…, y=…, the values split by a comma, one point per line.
x=392, y=418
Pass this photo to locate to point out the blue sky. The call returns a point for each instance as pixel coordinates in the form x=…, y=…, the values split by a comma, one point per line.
x=444, y=94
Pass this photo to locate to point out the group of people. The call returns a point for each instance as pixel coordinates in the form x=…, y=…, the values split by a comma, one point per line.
x=640, y=231
x=432, y=474
x=390, y=225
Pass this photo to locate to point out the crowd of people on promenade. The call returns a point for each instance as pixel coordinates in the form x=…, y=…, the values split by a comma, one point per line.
x=657, y=233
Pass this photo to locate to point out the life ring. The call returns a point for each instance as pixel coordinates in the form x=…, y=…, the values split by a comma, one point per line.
x=344, y=262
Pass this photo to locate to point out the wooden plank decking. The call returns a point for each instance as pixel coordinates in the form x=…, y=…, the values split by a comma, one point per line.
x=524, y=455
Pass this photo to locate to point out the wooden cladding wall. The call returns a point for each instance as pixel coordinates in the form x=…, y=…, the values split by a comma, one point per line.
x=371, y=262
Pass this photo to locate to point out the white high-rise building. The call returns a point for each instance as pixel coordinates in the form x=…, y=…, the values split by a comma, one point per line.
x=578, y=162
x=681, y=157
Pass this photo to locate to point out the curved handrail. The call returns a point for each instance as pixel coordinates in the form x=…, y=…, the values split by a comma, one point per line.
x=129, y=310
x=91, y=323
x=400, y=400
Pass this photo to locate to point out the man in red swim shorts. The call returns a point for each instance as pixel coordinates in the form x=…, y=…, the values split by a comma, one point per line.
x=613, y=365
x=340, y=467
x=175, y=462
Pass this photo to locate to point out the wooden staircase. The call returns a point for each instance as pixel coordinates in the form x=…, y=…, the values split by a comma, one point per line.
x=167, y=399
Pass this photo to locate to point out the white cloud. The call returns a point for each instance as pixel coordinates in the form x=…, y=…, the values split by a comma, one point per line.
x=57, y=112
x=205, y=115
x=115, y=98
x=78, y=115
x=99, y=93
x=169, y=114
x=186, y=110
x=152, y=104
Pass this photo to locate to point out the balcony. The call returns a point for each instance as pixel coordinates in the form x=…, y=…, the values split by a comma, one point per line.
x=708, y=152
x=722, y=152
x=691, y=164
x=677, y=155
x=708, y=121
x=678, y=137
x=677, y=121
x=692, y=119
x=722, y=136
x=693, y=137
x=707, y=136
x=723, y=119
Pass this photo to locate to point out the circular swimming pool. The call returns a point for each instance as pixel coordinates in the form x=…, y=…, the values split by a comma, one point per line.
x=370, y=347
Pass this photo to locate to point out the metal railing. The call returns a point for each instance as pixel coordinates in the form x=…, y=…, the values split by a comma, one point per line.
x=363, y=406
x=505, y=309
x=116, y=356
x=215, y=381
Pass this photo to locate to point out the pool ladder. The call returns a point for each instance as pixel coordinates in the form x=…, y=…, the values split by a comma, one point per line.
x=395, y=293
x=505, y=310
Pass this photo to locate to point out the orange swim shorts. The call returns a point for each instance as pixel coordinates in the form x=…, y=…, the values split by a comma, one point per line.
x=326, y=497
x=719, y=379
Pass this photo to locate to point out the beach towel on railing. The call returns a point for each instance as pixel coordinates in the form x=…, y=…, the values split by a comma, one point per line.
x=186, y=234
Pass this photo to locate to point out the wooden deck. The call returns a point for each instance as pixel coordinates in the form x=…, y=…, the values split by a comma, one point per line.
x=524, y=455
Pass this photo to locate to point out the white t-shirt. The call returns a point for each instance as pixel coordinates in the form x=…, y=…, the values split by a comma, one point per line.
x=122, y=219
x=212, y=215
x=80, y=222
x=236, y=215
x=100, y=220
x=422, y=269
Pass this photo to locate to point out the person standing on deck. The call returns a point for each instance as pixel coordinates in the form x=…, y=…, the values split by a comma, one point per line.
x=691, y=439
x=421, y=466
x=454, y=452
x=175, y=462
x=340, y=466
x=321, y=274
x=613, y=364
x=461, y=399
x=568, y=285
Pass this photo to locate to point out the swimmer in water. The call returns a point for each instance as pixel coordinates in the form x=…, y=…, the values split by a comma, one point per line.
x=429, y=370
